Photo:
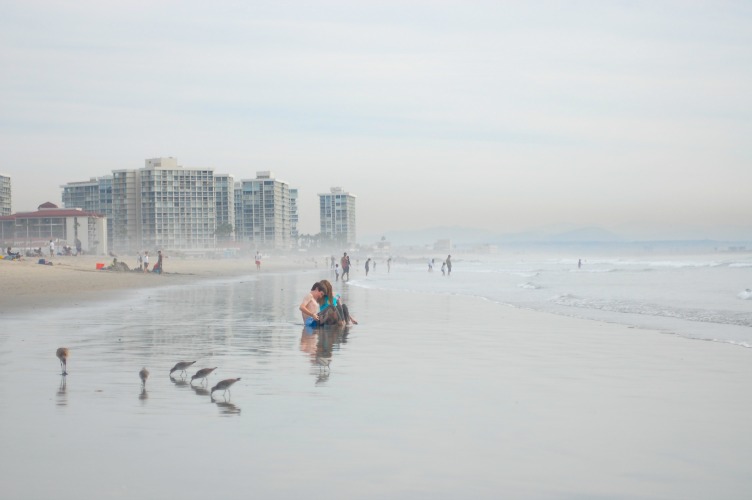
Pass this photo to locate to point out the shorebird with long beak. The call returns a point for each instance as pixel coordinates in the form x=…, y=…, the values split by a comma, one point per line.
x=62, y=355
x=202, y=374
x=181, y=366
x=224, y=386
x=144, y=374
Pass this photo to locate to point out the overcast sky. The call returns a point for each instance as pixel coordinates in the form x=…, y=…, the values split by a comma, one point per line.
x=629, y=115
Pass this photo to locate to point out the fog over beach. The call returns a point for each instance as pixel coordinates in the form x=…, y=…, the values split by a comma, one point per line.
x=585, y=164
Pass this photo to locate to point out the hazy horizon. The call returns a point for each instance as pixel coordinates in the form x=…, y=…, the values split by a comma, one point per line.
x=504, y=117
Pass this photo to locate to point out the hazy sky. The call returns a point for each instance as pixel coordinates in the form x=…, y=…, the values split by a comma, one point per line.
x=496, y=115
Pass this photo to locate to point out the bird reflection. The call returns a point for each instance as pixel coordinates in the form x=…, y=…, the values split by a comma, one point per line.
x=200, y=390
x=227, y=408
x=62, y=394
x=143, y=396
x=179, y=382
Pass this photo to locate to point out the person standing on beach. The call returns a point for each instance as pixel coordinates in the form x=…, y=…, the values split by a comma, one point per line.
x=258, y=260
x=52, y=248
x=443, y=268
x=336, y=272
x=345, y=261
x=140, y=261
x=309, y=308
x=368, y=262
x=146, y=261
x=449, y=265
x=158, y=266
x=389, y=265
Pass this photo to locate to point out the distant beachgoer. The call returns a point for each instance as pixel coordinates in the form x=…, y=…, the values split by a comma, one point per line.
x=336, y=272
x=443, y=268
x=309, y=308
x=158, y=266
x=367, y=264
x=258, y=260
x=146, y=261
x=140, y=261
x=449, y=265
x=389, y=265
x=374, y=264
x=52, y=248
x=579, y=264
x=345, y=261
x=430, y=265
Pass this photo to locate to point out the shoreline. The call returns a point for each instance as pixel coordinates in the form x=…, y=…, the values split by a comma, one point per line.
x=69, y=280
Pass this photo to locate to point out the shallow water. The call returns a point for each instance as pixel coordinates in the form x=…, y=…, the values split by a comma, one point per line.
x=429, y=397
x=705, y=296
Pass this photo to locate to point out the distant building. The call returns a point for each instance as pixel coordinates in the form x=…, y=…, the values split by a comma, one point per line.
x=337, y=217
x=264, y=212
x=94, y=195
x=5, y=195
x=224, y=194
x=63, y=225
x=163, y=205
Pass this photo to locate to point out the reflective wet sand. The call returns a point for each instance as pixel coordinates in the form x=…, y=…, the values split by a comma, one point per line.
x=429, y=397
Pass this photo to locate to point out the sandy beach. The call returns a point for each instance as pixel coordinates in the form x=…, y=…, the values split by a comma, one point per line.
x=70, y=280
x=430, y=396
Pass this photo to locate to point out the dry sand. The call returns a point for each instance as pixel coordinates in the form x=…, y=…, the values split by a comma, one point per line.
x=26, y=284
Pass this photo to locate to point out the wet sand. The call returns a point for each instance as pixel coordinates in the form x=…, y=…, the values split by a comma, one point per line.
x=429, y=397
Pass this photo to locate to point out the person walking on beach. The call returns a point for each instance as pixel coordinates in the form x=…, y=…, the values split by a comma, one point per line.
x=258, y=260
x=140, y=262
x=52, y=248
x=449, y=265
x=443, y=268
x=336, y=272
x=389, y=265
x=368, y=262
x=309, y=308
x=146, y=261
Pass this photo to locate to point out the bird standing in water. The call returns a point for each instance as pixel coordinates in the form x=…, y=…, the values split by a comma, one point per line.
x=224, y=385
x=202, y=374
x=62, y=355
x=181, y=366
x=144, y=374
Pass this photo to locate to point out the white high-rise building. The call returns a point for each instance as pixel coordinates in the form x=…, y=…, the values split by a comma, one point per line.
x=5, y=195
x=224, y=193
x=263, y=212
x=164, y=205
x=337, y=216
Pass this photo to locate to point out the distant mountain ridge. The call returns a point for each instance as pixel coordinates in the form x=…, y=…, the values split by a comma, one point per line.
x=471, y=236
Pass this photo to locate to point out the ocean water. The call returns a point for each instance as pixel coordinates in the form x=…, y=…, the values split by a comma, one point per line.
x=706, y=297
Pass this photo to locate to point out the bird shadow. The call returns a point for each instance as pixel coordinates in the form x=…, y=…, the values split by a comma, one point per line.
x=200, y=390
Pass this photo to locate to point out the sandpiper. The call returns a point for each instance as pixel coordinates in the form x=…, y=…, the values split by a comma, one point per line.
x=181, y=366
x=62, y=355
x=224, y=385
x=202, y=374
x=144, y=374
